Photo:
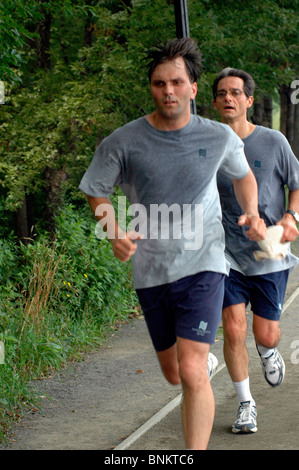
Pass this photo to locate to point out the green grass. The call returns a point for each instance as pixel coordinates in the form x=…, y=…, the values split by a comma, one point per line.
x=57, y=300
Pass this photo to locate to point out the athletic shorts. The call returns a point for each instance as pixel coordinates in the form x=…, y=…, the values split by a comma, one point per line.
x=189, y=308
x=264, y=292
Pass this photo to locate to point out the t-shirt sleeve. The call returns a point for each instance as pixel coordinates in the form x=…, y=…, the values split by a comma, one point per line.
x=104, y=171
x=234, y=165
x=289, y=163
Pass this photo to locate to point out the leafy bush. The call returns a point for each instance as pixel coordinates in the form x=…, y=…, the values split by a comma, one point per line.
x=56, y=299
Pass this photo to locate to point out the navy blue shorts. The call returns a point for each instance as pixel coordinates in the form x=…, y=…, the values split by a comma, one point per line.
x=264, y=292
x=189, y=308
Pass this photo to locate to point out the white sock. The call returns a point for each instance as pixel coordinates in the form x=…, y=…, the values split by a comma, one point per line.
x=243, y=390
x=264, y=352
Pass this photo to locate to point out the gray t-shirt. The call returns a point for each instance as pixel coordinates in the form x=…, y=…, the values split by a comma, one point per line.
x=274, y=165
x=174, y=169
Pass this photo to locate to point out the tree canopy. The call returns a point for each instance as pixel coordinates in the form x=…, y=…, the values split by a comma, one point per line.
x=75, y=70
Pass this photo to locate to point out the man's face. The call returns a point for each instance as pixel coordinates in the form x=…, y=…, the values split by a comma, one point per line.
x=231, y=101
x=172, y=90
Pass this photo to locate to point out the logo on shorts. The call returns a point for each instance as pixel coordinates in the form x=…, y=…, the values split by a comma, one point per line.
x=202, y=152
x=202, y=328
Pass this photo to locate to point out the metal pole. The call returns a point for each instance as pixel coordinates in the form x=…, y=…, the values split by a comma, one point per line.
x=182, y=29
x=181, y=18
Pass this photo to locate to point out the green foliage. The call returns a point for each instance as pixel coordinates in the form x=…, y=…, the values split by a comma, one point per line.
x=13, y=36
x=56, y=117
x=262, y=38
x=56, y=300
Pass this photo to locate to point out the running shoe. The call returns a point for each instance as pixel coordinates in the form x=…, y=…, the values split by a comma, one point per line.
x=212, y=365
x=246, y=419
x=273, y=368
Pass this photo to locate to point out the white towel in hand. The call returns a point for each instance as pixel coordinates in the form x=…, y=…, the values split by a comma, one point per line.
x=271, y=246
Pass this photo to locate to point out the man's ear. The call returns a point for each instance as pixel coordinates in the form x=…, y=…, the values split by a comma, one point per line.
x=250, y=101
x=194, y=90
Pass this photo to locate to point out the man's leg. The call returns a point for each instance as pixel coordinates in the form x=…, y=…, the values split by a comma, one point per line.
x=186, y=363
x=267, y=335
x=237, y=361
x=234, y=349
x=268, y=292
x=189, y=308
x=198, y=407
x=267, y=332
x=168, y=360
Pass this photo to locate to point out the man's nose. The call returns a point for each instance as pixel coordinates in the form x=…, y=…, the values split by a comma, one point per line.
x=168, y=90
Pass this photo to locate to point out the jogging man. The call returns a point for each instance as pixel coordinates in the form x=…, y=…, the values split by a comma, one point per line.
x=170, y=158
x=262, y=283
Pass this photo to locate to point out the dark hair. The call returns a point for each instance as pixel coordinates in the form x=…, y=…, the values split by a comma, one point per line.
x=185, y=48
x=249, y=84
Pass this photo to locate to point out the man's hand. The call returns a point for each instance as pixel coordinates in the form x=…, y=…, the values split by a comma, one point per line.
x=257, y=228
x=124, y=247
x=290, y=232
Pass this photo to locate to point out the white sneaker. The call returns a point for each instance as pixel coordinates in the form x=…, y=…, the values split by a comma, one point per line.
x=246, y=419
x=212, y=365
x=273, y=368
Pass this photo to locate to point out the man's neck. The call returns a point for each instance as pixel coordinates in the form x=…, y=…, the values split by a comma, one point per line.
x=163, y=124
x=242, y=128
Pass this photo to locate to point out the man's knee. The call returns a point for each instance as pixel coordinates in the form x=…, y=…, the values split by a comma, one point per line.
x=234, y=325
x=193, y=376
x=171, y=375
x=266, y=332
x=169, y=365
x=193, y=364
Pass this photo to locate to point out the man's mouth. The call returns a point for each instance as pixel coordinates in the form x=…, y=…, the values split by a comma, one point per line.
x=229, y=107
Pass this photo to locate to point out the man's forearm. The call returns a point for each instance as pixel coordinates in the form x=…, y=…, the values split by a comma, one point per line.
x=294, y=200
x=123, y=245
x=246, y=192
x=104, y=213
x=288, y=221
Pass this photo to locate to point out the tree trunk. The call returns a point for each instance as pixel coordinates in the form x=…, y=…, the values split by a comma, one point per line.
x=23, y=219
x=53, y=176
x=88, y=28
x=295, y=144
x=262, y=111
x=23, y=216
x=43, y=41
x=54, y=195
x=289, y=118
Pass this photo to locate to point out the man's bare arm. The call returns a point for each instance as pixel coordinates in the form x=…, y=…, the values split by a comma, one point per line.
x=123, y=245
x=246, y=192
x=288, y=222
